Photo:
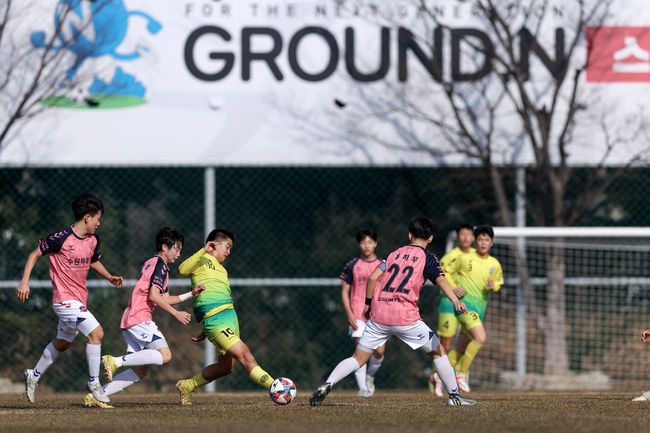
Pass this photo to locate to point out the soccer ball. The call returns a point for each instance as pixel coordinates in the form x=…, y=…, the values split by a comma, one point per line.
x=79, y=95
x=282, y=390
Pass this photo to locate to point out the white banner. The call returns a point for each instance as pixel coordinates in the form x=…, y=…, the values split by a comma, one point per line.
x=236, y=82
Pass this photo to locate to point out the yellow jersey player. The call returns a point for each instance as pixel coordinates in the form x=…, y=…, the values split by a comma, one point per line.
x=478, y=273
x=214, y=309
x=447, y=322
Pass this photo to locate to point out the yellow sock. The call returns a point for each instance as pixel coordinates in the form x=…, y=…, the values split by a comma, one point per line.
x=466, y=360
x=261, y=377
x=453, y=357
x=199, y=380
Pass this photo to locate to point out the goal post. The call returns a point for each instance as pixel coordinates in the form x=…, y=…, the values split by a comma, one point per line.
x=574, y=290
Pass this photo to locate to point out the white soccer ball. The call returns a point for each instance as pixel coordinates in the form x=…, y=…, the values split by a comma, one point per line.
x=79, y=95
x=282, y=391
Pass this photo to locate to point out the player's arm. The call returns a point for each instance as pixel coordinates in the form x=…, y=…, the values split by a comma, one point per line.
x=101, y=270
x=450, y=265
x=22, y=293
x=494, y=284
x=345, y=299
x=370, y=288
x=173, y=300
x=442, y=282
x=159, y=299
x=187, y=267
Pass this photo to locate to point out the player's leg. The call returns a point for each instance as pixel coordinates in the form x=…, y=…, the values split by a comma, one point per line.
x=373, y=365
x=374, y=335
x=418, y=335
x=145, y=345
x=360, y=374
x=240, y=351
x=224, y=366
x=472, y=322
x=65, y=335
x=447, y=327
x=93, y=357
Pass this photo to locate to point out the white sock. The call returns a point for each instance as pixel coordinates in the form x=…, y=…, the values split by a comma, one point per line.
x=374, y=364
x=360, y=376
x=93, y=355
x=143, y=357
x=446, y=373
x=121, y=381
x=342, y=370
x=47, y=358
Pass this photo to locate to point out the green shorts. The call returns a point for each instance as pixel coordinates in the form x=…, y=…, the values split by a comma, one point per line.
x=222, y=330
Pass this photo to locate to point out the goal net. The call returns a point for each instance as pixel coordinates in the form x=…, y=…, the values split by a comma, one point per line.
x=575, y=300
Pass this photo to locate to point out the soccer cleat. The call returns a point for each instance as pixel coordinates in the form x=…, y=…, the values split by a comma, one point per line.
x=435, y=385
x=30, y=384
x=96, y=390
x=461, y=379
x=110, y=367
x=370, y=385
x=457, y=400
x=319, y=395
x=185, y=389
x=643, y=397
x=90, y=401
x=363, y=393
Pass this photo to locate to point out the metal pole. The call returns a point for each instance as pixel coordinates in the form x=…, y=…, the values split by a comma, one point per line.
x=209, y=221
x=520, y=318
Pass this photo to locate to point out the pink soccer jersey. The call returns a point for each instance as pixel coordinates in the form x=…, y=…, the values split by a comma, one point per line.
x=70, y=258
x=155, y=272
x=398, y=289
x=356, y=273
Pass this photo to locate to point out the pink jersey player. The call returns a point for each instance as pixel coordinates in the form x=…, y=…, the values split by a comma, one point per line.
x=154, y=273
x=398, y=289
x=391, y=294
x=356, y=273
x=70, y=259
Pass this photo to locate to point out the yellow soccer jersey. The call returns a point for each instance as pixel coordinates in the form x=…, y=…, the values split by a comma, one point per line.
x=472, y=272
x=448, y=261
x=204, y=269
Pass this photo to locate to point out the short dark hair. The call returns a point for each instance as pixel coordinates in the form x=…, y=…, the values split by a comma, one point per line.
x=421, y=227
x=86, y=204
x=220, y=235
x=361, y=235
x=168, y=236
x=484, y=230
x=464, y=226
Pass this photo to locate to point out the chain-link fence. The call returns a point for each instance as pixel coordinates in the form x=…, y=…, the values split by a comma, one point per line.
x=291, y=223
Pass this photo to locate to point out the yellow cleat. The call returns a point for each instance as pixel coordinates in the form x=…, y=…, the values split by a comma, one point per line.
x=110, y=367
x=90, y=401
x=185, y=388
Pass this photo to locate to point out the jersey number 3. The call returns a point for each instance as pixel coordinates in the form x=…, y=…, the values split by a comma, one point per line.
x=406, y=275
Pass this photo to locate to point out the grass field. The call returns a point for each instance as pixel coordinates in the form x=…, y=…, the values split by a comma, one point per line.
x=342, y=412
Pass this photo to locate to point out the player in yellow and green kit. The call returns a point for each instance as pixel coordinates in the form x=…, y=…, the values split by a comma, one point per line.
x=214, y=309
x=478, y=273
x=448, y=322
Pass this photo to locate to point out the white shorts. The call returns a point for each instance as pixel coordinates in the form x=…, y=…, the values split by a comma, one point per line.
x=415, y=335
x=73, y=317
x=144, y=335
x=361, y=325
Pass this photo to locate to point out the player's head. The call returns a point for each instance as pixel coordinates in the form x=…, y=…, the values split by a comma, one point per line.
x=169, y=244
x=465, y=236
x=88, y=209
x=219, y=243
x=421, y=228
x=484, y=235
x=367, y=240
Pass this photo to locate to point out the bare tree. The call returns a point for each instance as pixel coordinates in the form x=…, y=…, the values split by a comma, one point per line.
x=37, y=66
x=514, y=104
